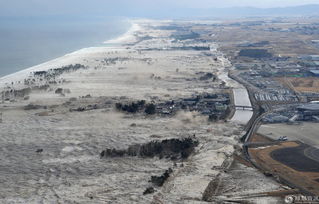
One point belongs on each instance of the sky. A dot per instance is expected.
(129, 7)
(235, 3)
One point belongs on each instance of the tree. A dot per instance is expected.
(150, 109)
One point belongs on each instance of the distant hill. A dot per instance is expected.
(160, 12)
(305, 10)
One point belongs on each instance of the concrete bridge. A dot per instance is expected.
(244, 108)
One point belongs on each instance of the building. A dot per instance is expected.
(314, 72)
(311, 109)
(310, 57)
(314, 57)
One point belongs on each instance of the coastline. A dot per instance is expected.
(63, 60)
(126, 37)
(64, 127)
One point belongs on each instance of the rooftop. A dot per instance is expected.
(316, 72)
(310, 107)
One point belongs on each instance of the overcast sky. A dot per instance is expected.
(232, 3)
(121, 7)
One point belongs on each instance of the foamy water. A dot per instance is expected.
(127, 37)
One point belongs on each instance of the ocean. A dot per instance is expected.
(25, 42)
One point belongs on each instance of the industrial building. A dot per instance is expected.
(309, 111)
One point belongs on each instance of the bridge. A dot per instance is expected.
(244, 107)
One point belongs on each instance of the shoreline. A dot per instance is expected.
(239, 116)
(116, 41)
(127, 36)
(69, 117)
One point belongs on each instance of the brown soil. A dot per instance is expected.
(243, 161)
(260, 138)
(305, 181)
(309, 84)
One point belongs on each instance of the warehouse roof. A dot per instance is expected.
(310, 107)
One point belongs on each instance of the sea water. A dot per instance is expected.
(25, 42)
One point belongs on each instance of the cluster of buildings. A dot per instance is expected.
(266, 77)
(305, 30)
(309, 112)
(311, 62)
(295, 113)
(268, 89)
(217, 105)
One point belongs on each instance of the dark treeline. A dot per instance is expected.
(173, 149)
